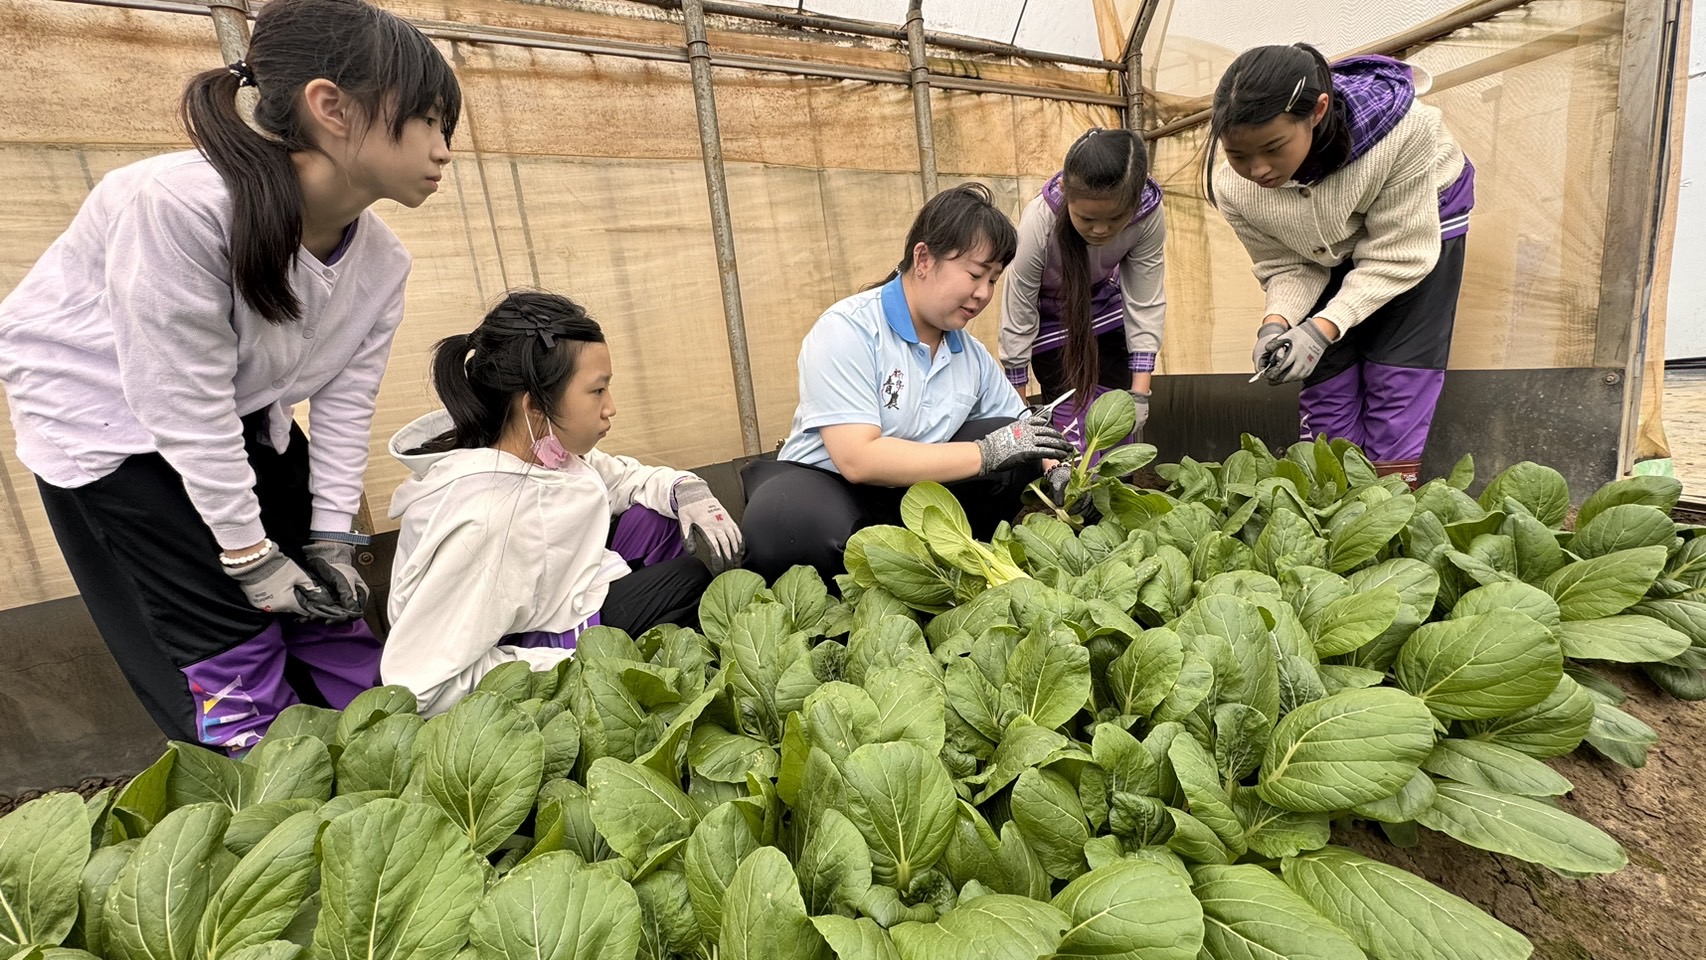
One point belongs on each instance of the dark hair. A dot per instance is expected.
(1265, 82)
(373, 56)
(528, 344)
(957, 221)
(1101, 165)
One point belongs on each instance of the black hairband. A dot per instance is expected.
(243, 72)
(539, 326)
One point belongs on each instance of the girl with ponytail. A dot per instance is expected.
(1085, 301)
(153, 354)
(1353, 201)
(508, 549)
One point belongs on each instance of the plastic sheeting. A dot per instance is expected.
(1052, 26)
(581, 174)
(573, 173)
(1532, 97)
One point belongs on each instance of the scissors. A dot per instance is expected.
(1046, 412)
(1271, 360)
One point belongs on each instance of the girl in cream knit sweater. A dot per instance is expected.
(1353, 201)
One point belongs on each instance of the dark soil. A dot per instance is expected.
(1651, 909)
(87, 788)
(1687, 512)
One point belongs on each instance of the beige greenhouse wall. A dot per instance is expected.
(574, 173)
(1539, 132)
(582, 175)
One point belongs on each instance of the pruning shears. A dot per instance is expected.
(1272, 359)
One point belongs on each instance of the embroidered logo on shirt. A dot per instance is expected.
(892, 386)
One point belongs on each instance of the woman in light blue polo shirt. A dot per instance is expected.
(893, 392)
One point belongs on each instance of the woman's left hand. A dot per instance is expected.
(711, 534)
(332, 564)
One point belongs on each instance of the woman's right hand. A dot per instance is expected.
(275, 584)
(1021, 442)
(1273, 325)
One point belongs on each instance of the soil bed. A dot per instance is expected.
(1652, 908)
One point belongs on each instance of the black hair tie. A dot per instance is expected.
(244, 73)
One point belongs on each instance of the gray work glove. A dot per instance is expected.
(1265, 336)
(1141, 398)
(332, 564)
(275, 584)
(1055, 482)
(1021, 442)
(1296, 352)
(711, 534)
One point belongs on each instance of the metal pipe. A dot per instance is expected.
(882, 31)
(231, 25)
(1134, 88)
(1134, 118)
(920, 81)
(541, 40)
(722, 226)
(1391, 46)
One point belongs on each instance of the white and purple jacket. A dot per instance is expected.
(1127, 272)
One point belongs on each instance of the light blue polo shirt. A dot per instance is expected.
(862, 363)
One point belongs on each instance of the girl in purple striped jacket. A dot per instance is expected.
(1353, 201)
(1085, 303)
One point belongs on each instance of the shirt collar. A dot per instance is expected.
(900, 318)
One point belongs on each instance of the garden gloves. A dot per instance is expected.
(711, 534)
(1020, 442)
(1294, 354)
(275, 584)
(332, 563)
(1141, 398)
(1265, 336)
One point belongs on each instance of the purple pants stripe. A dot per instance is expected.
(1383, 409)
(239, 692)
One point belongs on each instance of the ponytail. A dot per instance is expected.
(266, 196)
(527, 345)
(1265, 82)
(381, 63)
(471, 418)
(1101, 164)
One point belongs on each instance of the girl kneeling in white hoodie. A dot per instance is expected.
(517, 535)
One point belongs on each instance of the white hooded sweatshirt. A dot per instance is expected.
(492, 545)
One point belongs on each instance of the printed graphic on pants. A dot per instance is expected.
(221, 708)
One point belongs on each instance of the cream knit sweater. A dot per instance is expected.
(1381, 211)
